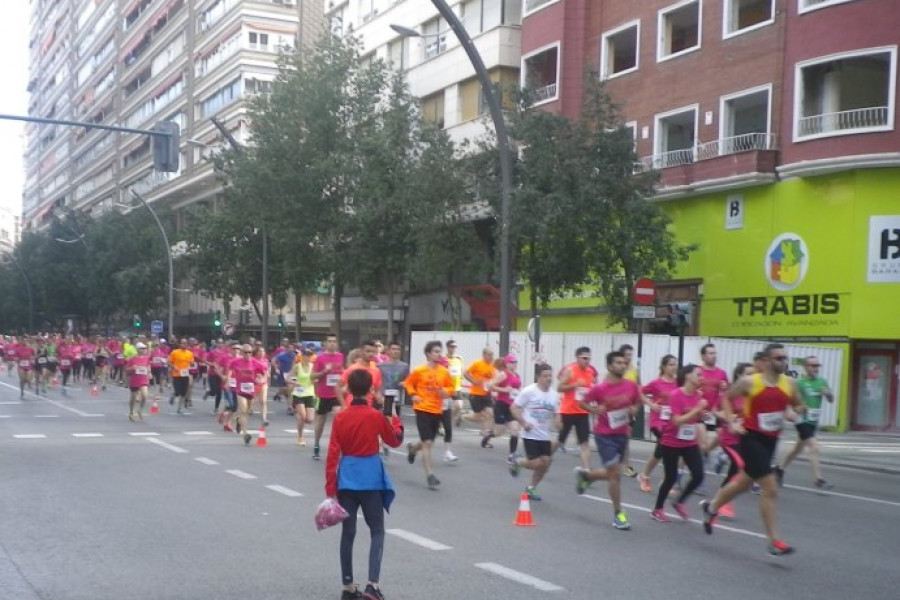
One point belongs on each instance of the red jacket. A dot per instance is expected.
(355, 432)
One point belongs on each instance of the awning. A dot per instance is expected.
(271, 27)
(165, 84)
(484, 300)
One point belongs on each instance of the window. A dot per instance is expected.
(619, 48)
(676, 135)
(221, 99)
(745, 121)
(433, 109)
(679, 29)
(483, 15)
(530, 6)
(808, 5)
(258, 41)
(338, 21)
(845, 93)
(257, 86)
(434, 37)
(540, 71)
(741, 16)
(395, 56)
(472, 101)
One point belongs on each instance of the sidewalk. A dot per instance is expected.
(876, 452)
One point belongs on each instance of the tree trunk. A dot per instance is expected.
(390, 307)
(338, 294)
(298, 315)
(534, 306)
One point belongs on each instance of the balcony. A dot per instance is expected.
(876, 117)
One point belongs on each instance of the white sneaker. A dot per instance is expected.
(450, 457)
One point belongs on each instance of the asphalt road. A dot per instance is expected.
(96, 507)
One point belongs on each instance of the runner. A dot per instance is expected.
(213, 375)
(658, 392)
(428, 386)
(535, 409)
(326, 375)
(679, 442)
(631, 374)
(180, 361)
(393, 373)
(52, 360)
(303, 397)
(248, 373)
(364, 358)
(88, 365)
(101, 363)
(40, 367)
(574, 382)
(9, 354)
(454, 364)
(730, 441)
(479, 374)
(230, 391)
(768, 394)
(507, 385)
(284, 362)
(614, 402)
(66, 362)
(25, 353)
(812, 389)
(713, 387)
(159, 358)
(262, 387)
(137, 369)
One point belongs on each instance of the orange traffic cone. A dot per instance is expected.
(95, 391)
(154, 408)
(261, 439)
(523, 517)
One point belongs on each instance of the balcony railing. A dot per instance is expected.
(545, 93)
(860, 118)
(730, 145)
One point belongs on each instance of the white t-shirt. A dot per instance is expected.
(539, 409)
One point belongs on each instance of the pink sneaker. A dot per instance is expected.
(660, 515)
(681, 510)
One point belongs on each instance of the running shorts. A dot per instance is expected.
(611, 448)
(806, 430)
(307, 401)
(757, 451)
(502, 413)
(536, 448)
(180, 385)
(428, 425)
(581, 425)
(326, 405)
(479, 403)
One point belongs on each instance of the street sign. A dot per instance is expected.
(156, 327)
(644, 292)
(228, 328)
(643, 312)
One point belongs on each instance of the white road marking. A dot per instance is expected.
(142, 433)
(53, 402)
(283, 490)
(29, 436)
(5, 416)
(87, 435)
(46, 416)
(240, 474)
(519, 577)
(842, 495)
(417, 539)
(197, 432)
(206, 461)
(881, 450)
(167, 445)
(718, 525)
(5, 403)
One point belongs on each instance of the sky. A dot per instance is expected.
(13, 100)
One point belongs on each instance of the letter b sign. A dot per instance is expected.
(734, 211)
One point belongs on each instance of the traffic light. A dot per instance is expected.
(166, 148)
(217, 320)
(137, 321)
(681, 314)
(280, 321)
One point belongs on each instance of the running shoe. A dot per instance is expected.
(514, 466)
(779, 548)
(458, 422)
(450, 457)
(660, 515)
(277, 398)
(227, 427)
(709, 517)
(410, 453)
(644, 482)
(532, 494)
(432, 482)
(721, 459)
(351, 595)
(131, 417)
(629, 471)
(779, 475)
(726, 511)
(621, 521)
(486, 440)
(301, 441)
(755, 489)
(315, 455)
(172, 400)
(824, 485)
(372, 593)
(681, 509)
(247, 438)
(581, 482)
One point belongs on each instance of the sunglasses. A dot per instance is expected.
(779, 358)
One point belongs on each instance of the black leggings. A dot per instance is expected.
(693, 460)
(447, 422)
(215, 389)
(736, 463)
(373, 511)
(65, 377)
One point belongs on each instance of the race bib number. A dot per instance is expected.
(773, 421)
(332, 380)
(665, 413)
(455, 370)
(580, 393)
(24, 363)
(89, 355)
(232, 382)
(65, 362)
(812, 414)
(618, 418)
(42, 361)
(301, 392)
(140, 371)
(392, 393)
(247, 388)
(687, 432)
(120, 356)
(183, 372)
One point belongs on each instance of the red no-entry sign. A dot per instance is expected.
(644, 292)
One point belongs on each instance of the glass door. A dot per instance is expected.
(875, 398)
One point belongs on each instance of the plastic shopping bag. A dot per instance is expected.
(329, 513)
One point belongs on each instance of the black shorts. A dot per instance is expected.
(326, 405)
(307, 401)
(180, 385)
(806, 430)
(757, 451)
(428, 425)
(582, 428)
(502, 413)
(137, 389)
(536, 448)
(479, 403)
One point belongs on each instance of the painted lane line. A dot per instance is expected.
(881, 450)
(87, 435)
(718, 526)
(819, 492)
(519, 577)
(53, 402)
(167, 445)
(5, 416)
(142, 433)
(197, 432)
(206, 461)
(46, 416)
(417, 539)
(240, 474)
(8, 402)
(30, 436)
(283, 490)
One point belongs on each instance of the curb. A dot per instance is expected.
(856, 466)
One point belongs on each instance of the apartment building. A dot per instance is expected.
(772, 124)
(9, 230)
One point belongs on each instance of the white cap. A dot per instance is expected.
(140, 346)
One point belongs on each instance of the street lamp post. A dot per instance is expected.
(165, 237)
(496, 111)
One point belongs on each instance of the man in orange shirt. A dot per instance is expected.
(365, 356)
(574, 382)
(180, 361)
(479, 374)
(428, 386)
